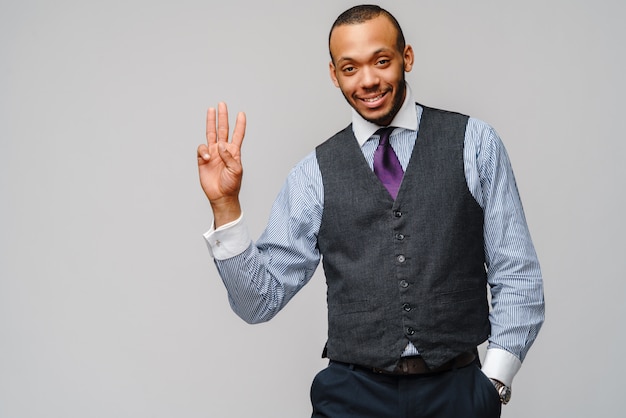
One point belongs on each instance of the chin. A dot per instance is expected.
(379, 118)
(383, 116)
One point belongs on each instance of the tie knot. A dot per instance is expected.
(384, 134)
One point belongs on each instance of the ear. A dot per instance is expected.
(409, 58)
(333, 75)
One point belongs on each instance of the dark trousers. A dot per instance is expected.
(344, 391)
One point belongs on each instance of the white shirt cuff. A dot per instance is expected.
(228, 240)
(501, 365)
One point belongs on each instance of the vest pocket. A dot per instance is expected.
(349, 307)
(460, 296)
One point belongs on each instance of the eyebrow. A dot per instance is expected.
(377, 52)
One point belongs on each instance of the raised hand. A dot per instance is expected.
(219, 164)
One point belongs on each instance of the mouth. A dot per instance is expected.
(373, 101)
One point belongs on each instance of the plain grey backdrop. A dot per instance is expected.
(109, 303)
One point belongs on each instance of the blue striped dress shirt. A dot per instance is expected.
(262, 277)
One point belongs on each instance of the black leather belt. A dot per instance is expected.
(416, 365)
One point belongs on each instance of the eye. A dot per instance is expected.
(348, 69)
(383, 61)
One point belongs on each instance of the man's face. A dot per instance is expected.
(369, 69)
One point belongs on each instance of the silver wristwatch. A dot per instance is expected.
(503, 390)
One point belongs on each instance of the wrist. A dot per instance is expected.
(225, 210)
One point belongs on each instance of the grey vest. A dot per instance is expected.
(410, 269)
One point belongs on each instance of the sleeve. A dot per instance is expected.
(228, 240)
(513, 271)
(262, 277)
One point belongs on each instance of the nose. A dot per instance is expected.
(369, 78)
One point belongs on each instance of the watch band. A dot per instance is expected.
(503, 391)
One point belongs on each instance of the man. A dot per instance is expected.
(405, 232)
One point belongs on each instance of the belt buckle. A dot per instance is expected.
(404, 366)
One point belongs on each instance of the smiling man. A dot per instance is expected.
(415, 214)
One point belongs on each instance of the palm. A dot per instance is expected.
(217, 179)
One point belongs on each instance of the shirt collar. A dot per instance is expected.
(406, 118)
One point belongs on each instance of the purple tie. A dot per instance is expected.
(386, 164)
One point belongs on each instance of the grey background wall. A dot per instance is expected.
(109, 303)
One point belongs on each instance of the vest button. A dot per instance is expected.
(401, 258)
(410, 331)
(406, 307)
(400, 237)
(397, 214)
(404, 284)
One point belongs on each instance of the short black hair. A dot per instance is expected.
(363, 13)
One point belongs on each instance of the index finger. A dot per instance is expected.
(211, 134)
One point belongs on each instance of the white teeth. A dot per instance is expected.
(373, 99)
